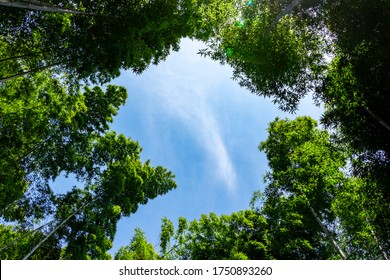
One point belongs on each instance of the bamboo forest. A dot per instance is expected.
(325, 194)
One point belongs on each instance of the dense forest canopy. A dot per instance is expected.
(326, 194)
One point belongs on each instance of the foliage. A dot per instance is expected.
(355, 91)
(139, 249)
(15, 243)
(47, 132)
(303, 160)
(117, 35)
(308, 178)
(293, 232)
(116, 189)
(305, 173)
(284, 63)
(363, 216)
(358, 120)
(241, 235)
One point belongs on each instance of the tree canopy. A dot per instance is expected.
(138, 249)
(241, 235)
(107, 37)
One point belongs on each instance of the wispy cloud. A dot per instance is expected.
(184, 89)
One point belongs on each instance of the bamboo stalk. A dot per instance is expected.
(379, 119)
(57, 227)
(287, 10)
(40, 6)
(326, 231)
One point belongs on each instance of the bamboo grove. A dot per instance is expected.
(327, 192)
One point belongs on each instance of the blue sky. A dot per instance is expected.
(192, 118)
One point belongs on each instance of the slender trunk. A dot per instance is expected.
(24, 236)
(40, 6)
(376, 117)
(57, 227)
(36, 148)
(21, 74)
(378, 243)
(327, 233)
(15, 57)
(287, 10)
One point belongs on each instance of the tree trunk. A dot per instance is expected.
(378, 243)
(374, 235)
(24, 236)
(376, 117)
(326, 231)
(40, 6)
(4, 79)
(15, 57)
(57, 227)
(287, 10)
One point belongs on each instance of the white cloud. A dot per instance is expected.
(183, 87)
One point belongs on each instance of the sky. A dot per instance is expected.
(190, 117)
